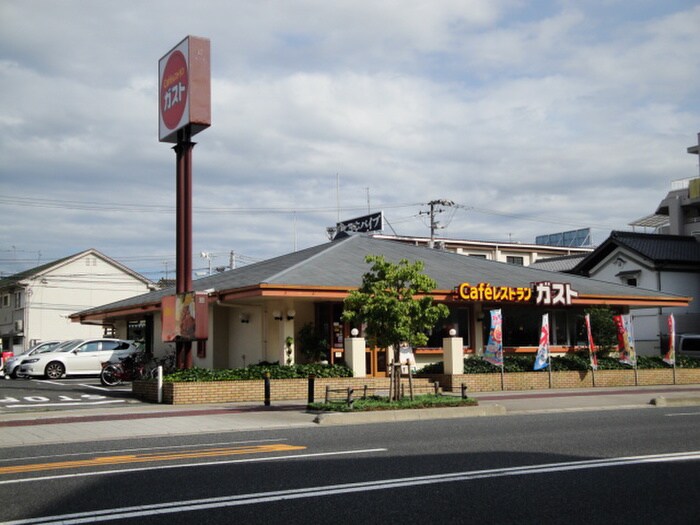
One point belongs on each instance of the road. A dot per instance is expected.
(26, 395)
(613, 466)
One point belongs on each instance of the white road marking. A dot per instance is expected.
(187, 465)
(346, 488)
(72, 403)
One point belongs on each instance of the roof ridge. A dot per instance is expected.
(329, 246)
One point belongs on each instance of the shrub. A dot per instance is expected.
(382, 403)
(579, 361)
(258, 372)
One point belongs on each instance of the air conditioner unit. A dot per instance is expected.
(19, 326)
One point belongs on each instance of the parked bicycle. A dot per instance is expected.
(134, 367)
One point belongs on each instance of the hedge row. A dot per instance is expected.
(525, 363)
(258, 372)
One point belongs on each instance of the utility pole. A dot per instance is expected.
(232, 260)
(434, 209)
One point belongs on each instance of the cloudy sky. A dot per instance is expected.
(532, 117)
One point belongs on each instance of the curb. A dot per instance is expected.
(662, 401)
(384, 416)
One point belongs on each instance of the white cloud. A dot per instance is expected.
(539, 117)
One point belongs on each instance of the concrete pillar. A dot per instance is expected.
(355, 355)
(453, 355)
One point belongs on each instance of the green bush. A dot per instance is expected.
(577, 361)
(258, 372)
(382, 403)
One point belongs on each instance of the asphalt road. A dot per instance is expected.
(27, 395)
(615, 466)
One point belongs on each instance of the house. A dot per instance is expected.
(521, 254)
(665, 263)
(35, 304)
(253, 310)
(679, 212)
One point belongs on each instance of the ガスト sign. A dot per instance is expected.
(545, 293)
(184, 89)
(173, 90)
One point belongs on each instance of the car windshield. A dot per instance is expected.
(41, 347)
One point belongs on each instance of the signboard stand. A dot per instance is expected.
(184, 83)
(183, 276)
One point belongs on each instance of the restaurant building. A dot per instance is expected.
(255, 313)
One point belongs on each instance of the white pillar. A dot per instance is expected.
(453, 355)
(355, 355)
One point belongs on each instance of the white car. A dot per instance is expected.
(12, 363)
(82, 357)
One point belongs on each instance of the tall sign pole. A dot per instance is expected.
(184, 81)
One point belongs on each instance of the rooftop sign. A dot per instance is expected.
(367, 223)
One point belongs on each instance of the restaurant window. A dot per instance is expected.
(457, 319)
(522, 326)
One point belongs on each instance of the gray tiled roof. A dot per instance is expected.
(559, 264)
(341, 264)
(680, 251)
(661, 248)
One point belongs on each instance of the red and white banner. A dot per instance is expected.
(591, 346)
(542, 358)
(625, 339)
(670, 357)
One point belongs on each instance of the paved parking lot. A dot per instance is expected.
(25, 395)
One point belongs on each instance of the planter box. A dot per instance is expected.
(573, 379)
(254, 391)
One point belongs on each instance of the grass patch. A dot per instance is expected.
(382, 403)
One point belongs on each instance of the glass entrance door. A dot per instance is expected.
(375, 362)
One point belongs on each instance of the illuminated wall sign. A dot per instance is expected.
(486, 292)
(545, 293)
(554, 293)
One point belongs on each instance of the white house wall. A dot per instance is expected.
(86, 282)
(650, 323)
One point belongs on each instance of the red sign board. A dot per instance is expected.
(185, 317)
(184, 92)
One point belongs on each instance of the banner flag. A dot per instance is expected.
(591, 346)
(670, 357)
(625, 340)
(542, 359)
(493, 353)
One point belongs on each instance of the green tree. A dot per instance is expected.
(603, 328)
(394, 304)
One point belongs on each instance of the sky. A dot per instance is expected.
(531, 117)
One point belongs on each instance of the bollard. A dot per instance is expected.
(160, 384)
(436, 384)
(267, 389)
(464, 391)
(312, 385)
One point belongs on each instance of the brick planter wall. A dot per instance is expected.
(297, 389)
(540, 380)
(254, 391)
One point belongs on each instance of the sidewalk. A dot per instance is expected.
(137, 420)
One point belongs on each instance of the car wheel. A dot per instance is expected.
(54, 370)
(13, 375)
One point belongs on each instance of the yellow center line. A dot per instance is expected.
(144, 458)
